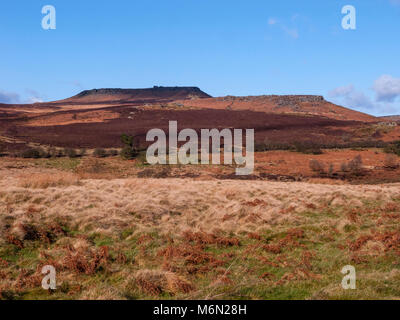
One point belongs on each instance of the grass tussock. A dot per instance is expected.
(143, 239)
(47, 180)
(155, 282)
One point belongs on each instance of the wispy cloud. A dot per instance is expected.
(9, 97)
(291, 31)
(33, 96)
(29, 96)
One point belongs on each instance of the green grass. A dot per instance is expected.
(67, 164)
(307, 267)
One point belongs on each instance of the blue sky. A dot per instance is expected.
(224, 47)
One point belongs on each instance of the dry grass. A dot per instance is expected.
(184, 238)
(47, 180)
(155, 282)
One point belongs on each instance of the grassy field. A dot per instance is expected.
(146, 238)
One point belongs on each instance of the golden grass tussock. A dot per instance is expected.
(47, 180)
(156, 282)
(184, 238)
(176, 205)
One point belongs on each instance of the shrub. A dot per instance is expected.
(331, 171)
(343, 167)
(393, 147)
(60, 153)
(307, 147)
(317, 166)
(71, 153)
(390, 162)
(82, 152)
(113, 152)
(55, 153)
(2, 148)
(127, 140)
(34, 153)
(128, 153)
(100, 153)
(52, 151)
(355, 165)
(260, 147)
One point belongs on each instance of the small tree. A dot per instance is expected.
(343, 167)
(317, 166)
(129, 151)
(127, 140)
(355, 165)
(331, 170)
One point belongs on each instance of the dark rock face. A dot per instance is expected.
(156, 91)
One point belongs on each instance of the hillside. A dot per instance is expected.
(395, 118)
(286, 104)
(97, 118)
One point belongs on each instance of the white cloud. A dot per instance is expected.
(387, 88)
(272, 21)
(352, 97)
(9, 97)
(29, 96)
(33, 96)
(341, 91)
(395, 2)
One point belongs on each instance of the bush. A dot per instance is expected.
(82, 152)
(100, 153)
(355, 166)
(393, 147)
(34, 153)
(128, 153)
(390, 162)
(260, 147)
(317, 166)
(113, 152)
(307, 147)
(71, 153)
(127, 140)
(331, 171)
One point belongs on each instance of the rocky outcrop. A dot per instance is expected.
(155, 92)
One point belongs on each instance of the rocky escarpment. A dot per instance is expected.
(279, 99)
(148, 93)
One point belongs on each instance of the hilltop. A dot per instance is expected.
(283, 104)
